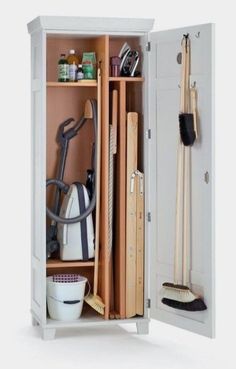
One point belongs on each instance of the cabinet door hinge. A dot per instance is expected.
(148, 133)
(148, 303)
(148, 46)
(149, 217)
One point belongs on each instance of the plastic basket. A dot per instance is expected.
(65, 296)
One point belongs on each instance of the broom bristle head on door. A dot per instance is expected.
(196, 305)
(181, 297)
(177, 292)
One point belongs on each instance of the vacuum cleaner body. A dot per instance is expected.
(71, 231)
(76, 240)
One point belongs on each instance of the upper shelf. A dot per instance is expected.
(126, 79)
(51, 263)
(84, 83)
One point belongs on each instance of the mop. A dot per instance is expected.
(178, 294)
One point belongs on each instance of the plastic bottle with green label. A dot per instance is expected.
(63, 69)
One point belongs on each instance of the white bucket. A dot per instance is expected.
(65, 299)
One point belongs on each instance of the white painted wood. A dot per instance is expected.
(156, 163)
(146, 158)
(48, 334)
(88, 321)
(88, 24)
(38, 163)
(164, 99)
(142, 327)
(34, 322)
(38, 88)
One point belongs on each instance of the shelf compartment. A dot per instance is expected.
(55, 263)
(85, 83)
(126, 79)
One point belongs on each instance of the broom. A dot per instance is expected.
(178, 295)
(93, 299)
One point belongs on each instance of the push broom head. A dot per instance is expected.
(181, 297)
(96, 303)
(186, 127)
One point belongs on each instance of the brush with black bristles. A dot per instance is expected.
(178, 295)
(186, 127)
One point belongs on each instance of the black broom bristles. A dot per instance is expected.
(186, 127)
(195, 305)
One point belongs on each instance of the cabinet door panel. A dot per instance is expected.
(163, 111)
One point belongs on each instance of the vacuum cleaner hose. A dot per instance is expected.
(65, 188)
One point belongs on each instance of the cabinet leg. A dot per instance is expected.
(142, 327)
(34, 322)
(48, 334)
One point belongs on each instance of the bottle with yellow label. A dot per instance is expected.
(73, 61)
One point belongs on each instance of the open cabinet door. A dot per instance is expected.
(164, 100)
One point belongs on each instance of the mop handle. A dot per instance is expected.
(98, 185)
(184, 88)
(186, 197)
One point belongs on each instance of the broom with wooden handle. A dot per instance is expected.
(93, 299)
(112, 152)
(178, 294)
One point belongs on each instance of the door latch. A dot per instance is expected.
(206, 177)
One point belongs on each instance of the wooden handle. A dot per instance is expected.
(88, 111)
(114, 119)
(98, 179)
(184, 87)
(186, 215)
(178, 214)
(179, 221)
(193, 98)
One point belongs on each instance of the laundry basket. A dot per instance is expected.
(65, 296)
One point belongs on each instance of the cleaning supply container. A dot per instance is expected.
(65, 296)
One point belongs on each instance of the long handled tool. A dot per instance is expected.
(112, 152)
(178, 294)
(94, 300)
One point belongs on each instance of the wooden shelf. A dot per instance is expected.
(52, 263)
(126, 79)
(85, 83)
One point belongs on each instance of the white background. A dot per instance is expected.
(165, 347)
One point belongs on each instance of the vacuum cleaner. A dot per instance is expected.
(71, 230)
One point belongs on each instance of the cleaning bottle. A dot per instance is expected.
(63, 69)
(73, 61)
(80, 73)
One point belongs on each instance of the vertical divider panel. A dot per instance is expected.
(101, 47)
(120, 209)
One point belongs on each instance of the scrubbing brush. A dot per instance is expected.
(186, 127)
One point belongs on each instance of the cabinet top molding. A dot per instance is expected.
(54, 24)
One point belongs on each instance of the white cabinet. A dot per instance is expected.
(156, 98)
